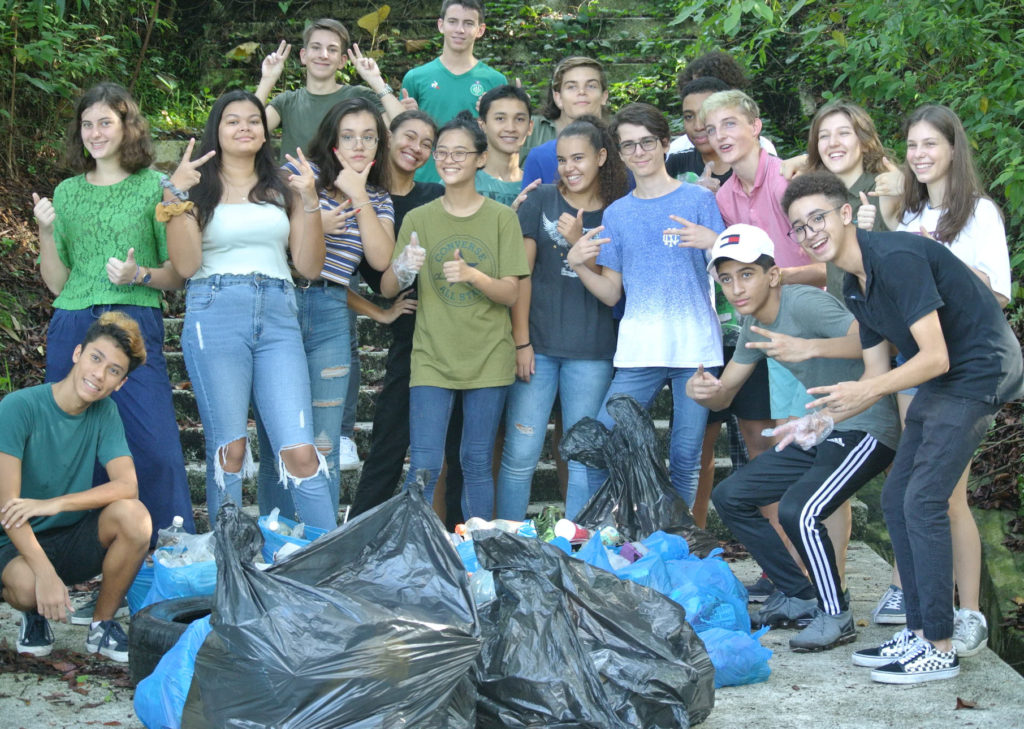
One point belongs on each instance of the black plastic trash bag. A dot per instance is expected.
(568, 645)
(372, 625)
(637, 498)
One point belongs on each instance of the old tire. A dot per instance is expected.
(155, 629)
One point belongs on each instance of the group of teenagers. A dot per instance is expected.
(851, 304)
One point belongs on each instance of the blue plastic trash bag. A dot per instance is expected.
(595, 553)
(648, 571)
(140, 588)
(160, 696)
(739, 657)
(188, 580)
(272, 541)
(668, 546)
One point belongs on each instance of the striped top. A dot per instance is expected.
(345, 249)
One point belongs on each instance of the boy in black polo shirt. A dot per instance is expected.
(960, 352)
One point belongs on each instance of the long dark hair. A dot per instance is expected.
(963, 187)
(611, 177)
(270, 186)
(321, 149)
(136, 151)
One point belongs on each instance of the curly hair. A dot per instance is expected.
(611, 177)
(123, 331)
(136, 151)
(716, 64)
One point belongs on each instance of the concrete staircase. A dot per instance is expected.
(374, 340)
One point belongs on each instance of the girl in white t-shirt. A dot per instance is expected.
(943, 199)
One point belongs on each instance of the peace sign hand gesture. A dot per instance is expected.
(187, 175)
(303, 181)
(273, 64)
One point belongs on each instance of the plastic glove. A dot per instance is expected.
(409, 262)
(806, 432)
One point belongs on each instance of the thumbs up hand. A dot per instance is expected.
(409, 262)
(123, 272)
(457, 270)
(866, 213)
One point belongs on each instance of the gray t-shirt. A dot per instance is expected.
(566, 320)
(301, 113)
(810, 313)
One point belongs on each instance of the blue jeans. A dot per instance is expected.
(323, 320)
(145, 406)
(580, 385)
(241, 339)
(688, 422)
(429, 411)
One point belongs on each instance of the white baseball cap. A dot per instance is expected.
(741, 242)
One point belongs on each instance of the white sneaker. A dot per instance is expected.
(970, 632)
(348, 456)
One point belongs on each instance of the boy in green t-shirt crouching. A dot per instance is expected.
(58, 528)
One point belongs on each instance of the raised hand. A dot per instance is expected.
(703, 385)
(866, 213)
(569, 227)
(587, 247)
(187, 175)
(521, 197)
(336, 220)
(44, 213)
(888, 183)
(781, 346)
(273, 64)
(408, 103)
(122, 272)
(303, 181)
(706, 180)
(457, 270)
(365, 66)
(692, 235)
(409, 262)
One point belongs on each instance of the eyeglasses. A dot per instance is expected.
(647, 144)
(348, 141)
(457, 155)
(814, 224)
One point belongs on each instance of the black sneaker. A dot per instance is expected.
(35, 636)
(108, 639)
(924, 663)
(760, 590)
(896, 647)
(83, 615)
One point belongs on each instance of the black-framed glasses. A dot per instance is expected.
(814, 224)
(348, 141)
(457, 155)
(647, 144)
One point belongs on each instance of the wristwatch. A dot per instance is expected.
(387, 90)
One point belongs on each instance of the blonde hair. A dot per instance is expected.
(733, 98)
(123, 331)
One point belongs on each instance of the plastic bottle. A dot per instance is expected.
(276, 526)
(171, 536)
(299, 530)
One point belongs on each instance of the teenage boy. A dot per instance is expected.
(815, 338)
(579, 87)
(669, 327)
(58, 528)
(325, 50)
(505, 118)
(909, 292)
(456, 79)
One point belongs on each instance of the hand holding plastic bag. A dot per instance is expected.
(409, 262)
(806, 432)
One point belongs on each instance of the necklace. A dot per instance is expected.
(237, 193)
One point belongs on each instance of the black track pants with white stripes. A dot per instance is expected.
(809, 486)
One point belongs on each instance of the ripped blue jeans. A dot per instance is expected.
(241, 339)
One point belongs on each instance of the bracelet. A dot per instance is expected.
(312, 210)
(165, 182)
(524, 346)
(135, 278)
(385, 91)
(167, 210)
